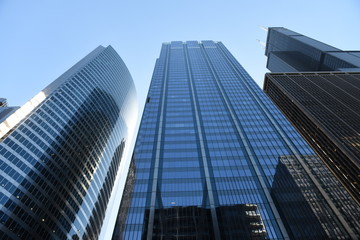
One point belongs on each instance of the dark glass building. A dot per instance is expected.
(288, 51)
(61, 151)
(324, 106)
(215, 159)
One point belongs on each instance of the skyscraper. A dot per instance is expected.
(323, 106)
(215, 159)
(61, 151)
(288, 51)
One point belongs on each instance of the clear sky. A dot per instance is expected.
(42, 39)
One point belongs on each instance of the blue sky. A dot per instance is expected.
(42, 39)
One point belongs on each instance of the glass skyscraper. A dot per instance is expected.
(324, 107)
(61, 151)
(317, 87)
(215, 159)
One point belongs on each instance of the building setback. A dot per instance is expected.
(61, 151)
(215, 159)
(323, 106)
(288, 51)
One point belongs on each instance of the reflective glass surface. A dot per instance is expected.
(59, 163)
(323, 107)
(215, 159)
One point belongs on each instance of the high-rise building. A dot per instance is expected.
(323, 106)
(215, 159)
(61, 151)
(288, 51)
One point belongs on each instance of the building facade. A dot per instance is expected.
(323, 106)
(215, 159)
(61, 151)
(288, 51)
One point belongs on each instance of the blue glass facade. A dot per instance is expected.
(214, 159)
(60, 152)
(288, 51)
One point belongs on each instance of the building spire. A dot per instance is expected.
(264, 28)
(263, 45)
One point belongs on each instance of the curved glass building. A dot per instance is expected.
(61, 151)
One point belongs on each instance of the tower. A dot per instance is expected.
(215, 159)
(61, 151)
(321, 98)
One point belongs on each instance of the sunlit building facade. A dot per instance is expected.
(61, 151)
(215, 159)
